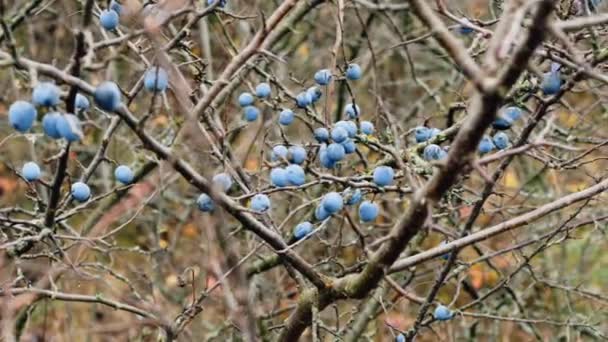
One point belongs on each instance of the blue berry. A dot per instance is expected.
(156, 79)
(442, 313)
(82, 103)
(501, 140)
(323, 77)
(339, 134)
(251, 113)
(108, 20)
(335, 152)
(246, 99)
(107, 96)
(366, 127)
(260, 203)
(278, 177)
(222, 3)
(31, 171)
(352, 111)
(222, 181)
(433, 132)
(349, 146)
(513, 113)
(368, 211)
(383, 175)
(69, 127)
(302, 229)
(321, 134)
(349, 126)
(303, 99)
(205, 203)
(124, 174)
(502, 124)
(295, 175)
(326, 162)
(116, 7)
(46, 94)
(297, 154)
(286, 117)
(321, 214)
(353, 72)
(552, 81)
(315, 94)
(432, 152)
(80, 192)
(262, 90)
(353, 197)
(49, 125)
(21, 116)
(332, 202)
(485, 145)
(279, 152)
(422, 134)
(464, 28)
(400, 338)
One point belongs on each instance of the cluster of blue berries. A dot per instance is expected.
(432, 151)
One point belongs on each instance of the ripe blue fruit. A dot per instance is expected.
(107, 96)
(432, 152)
(21, 115)
(352, 111)
(332, 202)
(49, 125)
(279, 152)
(251, 113)
(552, 81)
(485, 145)
(353, 197)
(124, 174)
(108, 20)
(246, 99)
(320, 213)
(442, 313)
(69, 127)
(222, 181)
(353, 72)
(349, 146)
(433, 132)
(321, 134)
(30, 171)
(260, 203)
(303, 99)
(368, 211)
(82, 103)
(297, 154)
(501, 140)
(335, 152)
(502, 123)
(323, 77)
(80, 192)
(464, 28)
(116, 7)
(205, 203)
(383, 175)
(366, 127)
(302, 229)
(262, 90)
(400, 338)
(422, 134)
(156, 79)
(339, 134)
(315, 94)
(513, 113)
(46, 94)
(278, 177)
(286, 117)
(222, 3)
(295, 175)
(326, 162)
